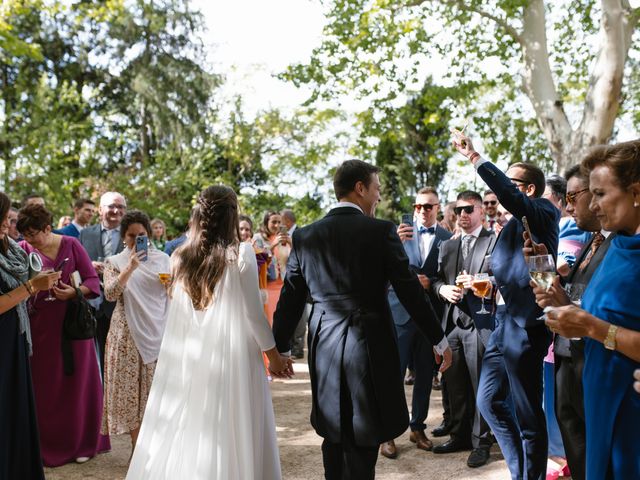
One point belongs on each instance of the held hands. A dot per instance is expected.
(62, 291)
(405, 232)
(280, 366)
(45, 281)
(444, 360)
(556, 296)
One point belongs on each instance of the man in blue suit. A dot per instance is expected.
(421, 243)
(83, 212)
(510, 390)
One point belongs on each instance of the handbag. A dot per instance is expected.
(79, 324)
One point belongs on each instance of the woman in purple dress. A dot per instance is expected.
(68, 407)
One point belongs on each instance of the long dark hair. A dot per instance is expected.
(5, 205)
(264, 227)
(201, 260)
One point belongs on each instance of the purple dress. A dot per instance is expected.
(69, 408)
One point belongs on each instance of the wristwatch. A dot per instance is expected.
(610, 339)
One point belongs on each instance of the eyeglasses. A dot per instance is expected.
(571, 197)
(426, 206)
(468, 209)
(31, 233)
(116, 207)
(490, 202)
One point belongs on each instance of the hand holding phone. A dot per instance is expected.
(142, 245)
(407, 219)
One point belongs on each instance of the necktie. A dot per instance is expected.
(598, 238)
(107, 244)
(491, 223)
(466, 246)
(431, 230)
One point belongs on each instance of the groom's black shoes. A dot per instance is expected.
(388, 449)
(452, 446)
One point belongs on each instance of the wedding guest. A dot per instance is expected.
(83, 212)
(137, 324)
(492, 213)
(63, 221)
(609, 318)
(246, 228)
(159, 237)
(33, 199)
(449, 217)
(510, 389)
(13, 234)
(274, 240)
(69, 406)
(19, 446)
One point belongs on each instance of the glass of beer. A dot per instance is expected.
(481, 288)
(165, 278)
(542, 269)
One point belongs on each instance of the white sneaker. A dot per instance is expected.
(82, 459)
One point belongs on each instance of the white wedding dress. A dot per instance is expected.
(209, 413)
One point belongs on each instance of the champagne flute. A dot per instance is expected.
(482, 286)
(542, 269)
(49, 297)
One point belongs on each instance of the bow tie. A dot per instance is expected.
(431, 230)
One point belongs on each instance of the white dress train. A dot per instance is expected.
(209, 413)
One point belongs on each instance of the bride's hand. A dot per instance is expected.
(279, 365)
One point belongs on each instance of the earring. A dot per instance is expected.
(636, 204)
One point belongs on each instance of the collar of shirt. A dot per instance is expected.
(77, 225)
(475, 233)
(103, 229)
(605, 233)
(347, 204)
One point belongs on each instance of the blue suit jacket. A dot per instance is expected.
(428, 268)
(70, 231)
(507, 261)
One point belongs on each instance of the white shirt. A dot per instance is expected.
(347, 204)
(425, 241)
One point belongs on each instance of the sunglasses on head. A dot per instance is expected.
(425, 206)
(490, 202)
(468, 209)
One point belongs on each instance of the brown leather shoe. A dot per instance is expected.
(388, 449)
(420, 439)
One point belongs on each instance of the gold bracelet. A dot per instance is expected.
(29, 287)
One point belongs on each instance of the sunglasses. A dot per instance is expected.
(570, 197)
(490, 202)
(468, 209)
(426, 206)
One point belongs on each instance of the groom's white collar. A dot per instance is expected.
(347, 204)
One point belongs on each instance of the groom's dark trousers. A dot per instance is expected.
(345, 262)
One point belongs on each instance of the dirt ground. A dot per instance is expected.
(300, 447)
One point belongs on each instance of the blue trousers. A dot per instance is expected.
(510, 395)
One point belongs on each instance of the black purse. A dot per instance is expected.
(79, 324)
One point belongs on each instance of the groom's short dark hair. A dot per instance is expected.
(349, 173)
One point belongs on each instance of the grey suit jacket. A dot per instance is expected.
(91, 240)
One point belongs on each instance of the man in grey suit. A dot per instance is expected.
(421, 243)
(101, 241)
(467, 331)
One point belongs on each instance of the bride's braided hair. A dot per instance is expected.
(212, 241)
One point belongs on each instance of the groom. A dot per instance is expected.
(345, 262)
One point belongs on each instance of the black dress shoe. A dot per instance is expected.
(451, 446)
(441, 431)
(478, 457)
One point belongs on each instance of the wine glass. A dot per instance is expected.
(481, 288)
(165, 278)
(542, 269)
(49, 297)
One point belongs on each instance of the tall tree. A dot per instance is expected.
(570, 54)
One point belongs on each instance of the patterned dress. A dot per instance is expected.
(127, 380)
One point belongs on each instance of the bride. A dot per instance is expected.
(209, 413)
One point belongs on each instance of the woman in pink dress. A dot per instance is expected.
(68, 407)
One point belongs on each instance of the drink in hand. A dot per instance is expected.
(481, 287)
(544, 279)
(165, 278)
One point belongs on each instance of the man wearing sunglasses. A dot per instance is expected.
(467, 331)
(510, 389)
(422, 245)
(490, 205)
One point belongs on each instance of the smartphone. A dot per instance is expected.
(282, 229)
(525, 224)
(407, 219)
(61, 265)
(142, 245)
